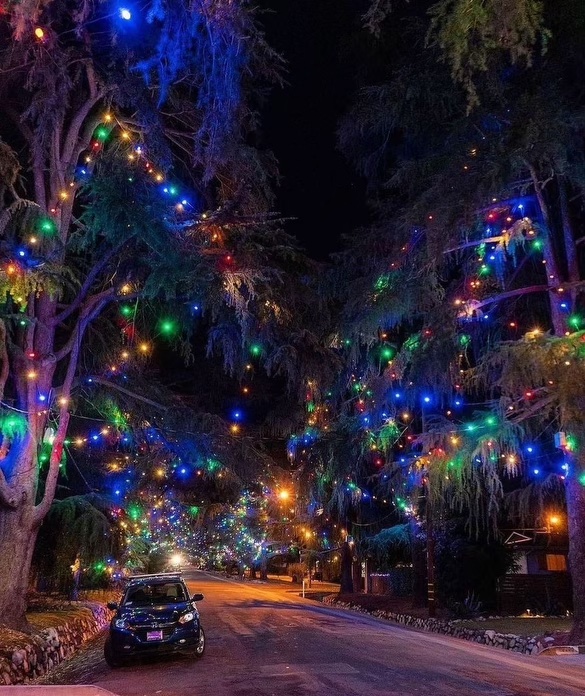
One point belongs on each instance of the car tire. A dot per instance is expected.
(109, 656)
(200, 648)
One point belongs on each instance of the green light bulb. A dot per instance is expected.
(101, 133)
(47, 226)
(167, 327)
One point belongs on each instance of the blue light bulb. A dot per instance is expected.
(125, 14)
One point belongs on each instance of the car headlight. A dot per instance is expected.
(121, 623)
(189, 616)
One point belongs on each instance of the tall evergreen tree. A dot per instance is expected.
(105, 111)
(477, 190)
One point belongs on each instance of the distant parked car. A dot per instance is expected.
(156, 615)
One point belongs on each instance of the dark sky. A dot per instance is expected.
(318, 186)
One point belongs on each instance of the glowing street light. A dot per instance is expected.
(176, 560)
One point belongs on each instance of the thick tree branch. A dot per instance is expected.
(8, 497)
(86, 287)
(53, 474)
(92, 307)
(37, 160)
(535, 408)
(5, 369)
(72, 136)
(89, 312)
(123, 390)
(477, 242)
(526, 291)
(511, 293)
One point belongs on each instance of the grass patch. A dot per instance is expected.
(55, 618)
(521, 626)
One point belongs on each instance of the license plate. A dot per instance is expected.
(154, 635)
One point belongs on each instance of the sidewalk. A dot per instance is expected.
(315, 586)
(23, 690)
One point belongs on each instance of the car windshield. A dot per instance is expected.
(156, 593)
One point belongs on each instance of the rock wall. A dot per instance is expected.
(24, 657)
(507, 641)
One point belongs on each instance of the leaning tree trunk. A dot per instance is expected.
(575, 492)
(24, 502)
(18, 533)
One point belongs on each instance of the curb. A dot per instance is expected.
(22, 690)
(525, 645)
(563, 650)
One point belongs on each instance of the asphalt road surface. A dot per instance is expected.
(265, 640)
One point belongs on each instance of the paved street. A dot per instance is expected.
(264, 640)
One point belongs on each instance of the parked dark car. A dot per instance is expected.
(156, 615)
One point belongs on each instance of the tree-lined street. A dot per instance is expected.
(293, 288)
(264, 640)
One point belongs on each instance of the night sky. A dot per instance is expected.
(318, 187)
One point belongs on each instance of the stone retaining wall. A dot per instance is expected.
(507, 641)
(24, 657)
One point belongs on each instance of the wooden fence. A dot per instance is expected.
(540, 593)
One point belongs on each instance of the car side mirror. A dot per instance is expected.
(112, 605)
(197, 597)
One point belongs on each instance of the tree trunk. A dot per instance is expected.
(346, 586)
(430, 557)
(553, 270)
(17, 539)
(263, 566)
(568, 237)
(419, 566)
(575, 492)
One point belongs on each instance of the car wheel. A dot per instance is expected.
(200, 649)
(109, 656)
